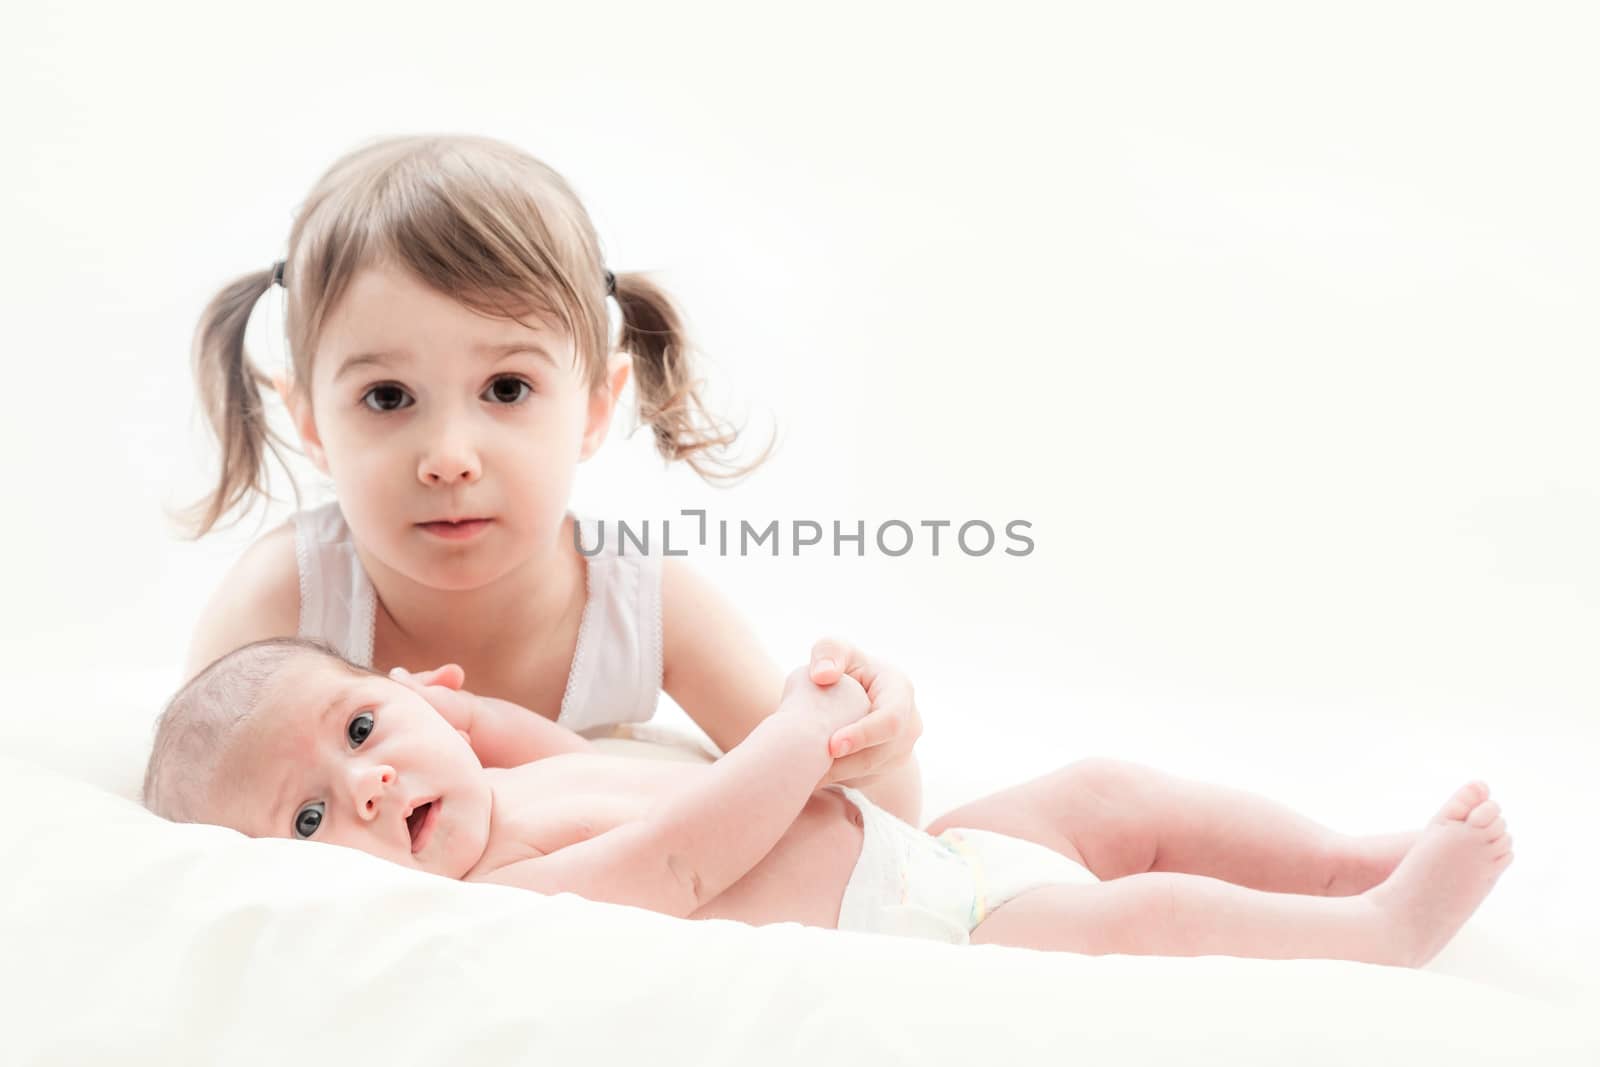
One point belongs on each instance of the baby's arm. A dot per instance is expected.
(707, 837)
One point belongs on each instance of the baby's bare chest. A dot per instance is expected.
(553, 803)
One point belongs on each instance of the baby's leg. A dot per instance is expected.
(1161, 914)
(1122, 818)
(1405, 921)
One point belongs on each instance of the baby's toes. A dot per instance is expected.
(1484, 814)
(1463, 801)
(1495, 830)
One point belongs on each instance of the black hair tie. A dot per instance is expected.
(611, 284)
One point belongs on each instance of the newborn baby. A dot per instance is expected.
(282, 738)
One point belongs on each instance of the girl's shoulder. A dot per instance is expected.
(258, 598)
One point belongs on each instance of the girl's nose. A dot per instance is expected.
(368, 786)
(448, 463)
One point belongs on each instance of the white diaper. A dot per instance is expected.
(911, 883)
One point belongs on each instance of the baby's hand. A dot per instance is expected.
(884, 739)
(441, 687)
(835, 706)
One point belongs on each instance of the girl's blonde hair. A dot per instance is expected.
(484, 223)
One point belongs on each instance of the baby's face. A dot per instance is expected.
(360, 761)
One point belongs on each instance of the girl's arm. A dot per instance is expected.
(714, 668)
(509, 735)
(703, 839)
(259, 598)
(502, 734)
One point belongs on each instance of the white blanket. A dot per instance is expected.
(131, 940)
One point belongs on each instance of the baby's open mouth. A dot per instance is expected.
(419, 822)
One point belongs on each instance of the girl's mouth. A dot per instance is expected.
(420, 823)
(457, 530)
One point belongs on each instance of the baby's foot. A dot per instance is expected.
(1446, 874)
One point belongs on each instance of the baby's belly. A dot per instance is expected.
(803, 878)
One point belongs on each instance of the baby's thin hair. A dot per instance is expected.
(197, 726)
(483, 223)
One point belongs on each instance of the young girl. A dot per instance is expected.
(451, 366)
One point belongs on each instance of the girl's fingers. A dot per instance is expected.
(861, 765)
(825, 671)
(831, 658)
(871, 732)
(451, 676)
(849, 768)
(406, 678)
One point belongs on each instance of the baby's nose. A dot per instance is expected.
(368, 788)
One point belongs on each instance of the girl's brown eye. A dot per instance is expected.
(386, 398)
(508, 390)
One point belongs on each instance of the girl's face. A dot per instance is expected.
(451, 437)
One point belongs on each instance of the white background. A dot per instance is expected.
(1279, 328)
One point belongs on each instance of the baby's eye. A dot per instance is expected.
(308, 818)
(387, 398)
(508, 391)
(360, 729)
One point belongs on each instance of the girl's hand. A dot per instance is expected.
(441, 687)
(891, 726)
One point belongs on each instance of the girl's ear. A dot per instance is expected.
(298, 402)
(603, 403)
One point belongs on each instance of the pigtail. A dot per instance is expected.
(669, 394)
(230, 394)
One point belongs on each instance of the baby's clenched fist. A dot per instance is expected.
(833, 707)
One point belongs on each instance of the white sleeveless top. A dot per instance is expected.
(616, 667)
